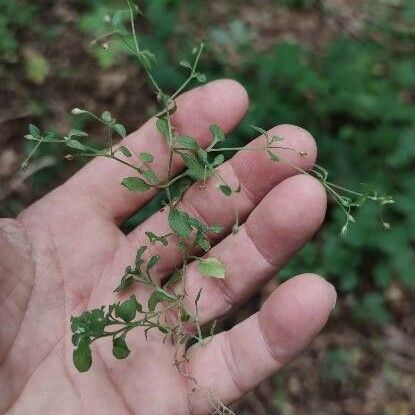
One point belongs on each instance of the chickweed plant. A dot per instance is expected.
(165, 310)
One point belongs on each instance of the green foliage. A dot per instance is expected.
(15, 16)
(339, 364)
(365, 130)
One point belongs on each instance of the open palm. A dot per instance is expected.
(66, 253)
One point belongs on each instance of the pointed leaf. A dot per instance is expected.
(76, 144)
(120, 130)
(157, 297)
(153, 261)
(135, 184)
(217, 133)
(34, 131)
(77, 133)
(175, 278)
(163, 127)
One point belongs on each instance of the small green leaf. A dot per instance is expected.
(128, 309)
(197, 170)
(125, 282)
(273, 156)
(157, 297)
(82, 356)
(153, 261)
(34, 131)
(135, 184)
(176, 277)
(187, 142)
(106, 117)
(124, 150)
(203, 243)
(163, 329)
(215, 228)
(217, 133)
(201, 227)
(225, 189)
(163, 127)
(117, 18)
(185, 316)
(146, 58)
(219, 159)
(211, 267)
(201, 77)
(146, 157)
(117, 22)
(186, 64)
(77, 133)
(78, 111)
(120, 349)
(179, 223)
(76, 144)
(138, 258)
(120, 130)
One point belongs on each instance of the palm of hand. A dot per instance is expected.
(65, 254)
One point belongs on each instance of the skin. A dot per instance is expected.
(65, 254)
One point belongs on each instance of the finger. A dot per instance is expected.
(256, 174)
(236, 361)
(281, 224)
(222, 102)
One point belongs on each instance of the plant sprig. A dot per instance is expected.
(190, 235)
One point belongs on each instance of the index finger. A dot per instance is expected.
(222, 102)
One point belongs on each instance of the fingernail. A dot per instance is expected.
(334, 295)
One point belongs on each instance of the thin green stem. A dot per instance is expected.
(175, 179)
(137, 47)
(192, 72)
(28, 158)
(113, 157)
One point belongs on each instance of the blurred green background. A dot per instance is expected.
(344, 70)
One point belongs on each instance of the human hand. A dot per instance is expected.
(65, 254)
